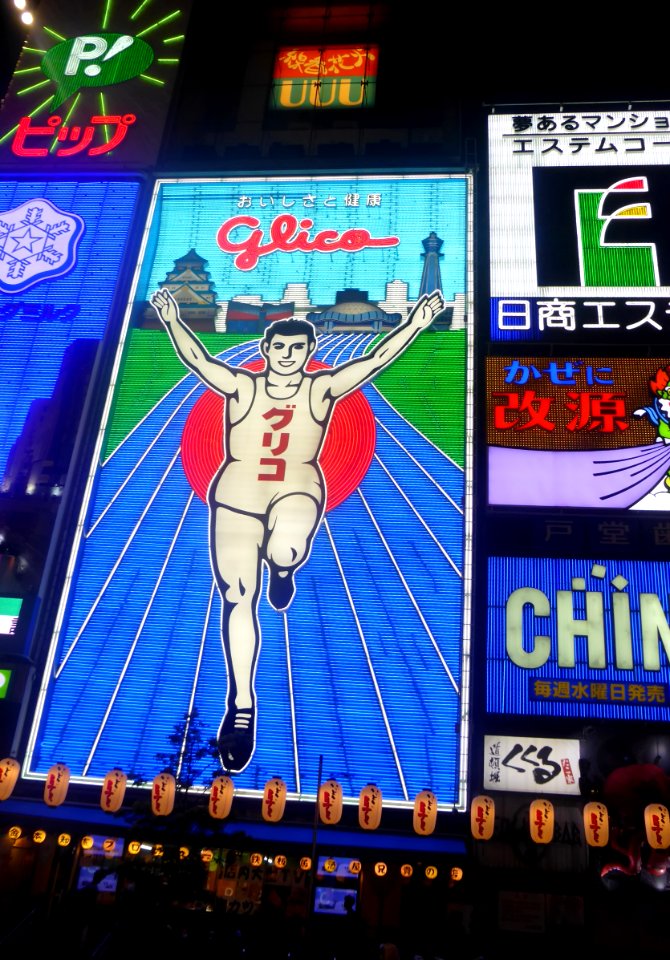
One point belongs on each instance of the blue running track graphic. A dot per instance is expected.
(364, 669)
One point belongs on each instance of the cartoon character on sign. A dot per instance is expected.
(659, 413)
(268, 496)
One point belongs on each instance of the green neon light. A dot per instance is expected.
(147, 349)
(105, 16)
(53, 33)
(10, 607)
(123, 67)
(33, 50)
(31, 114)
(167, 59)
(159, 83)
(139, 9)
(26, 70)
(67, 118)
(176, 39)
(103, 111)
(155, 26)
(10, 132)
(609, 264)
(35, 86)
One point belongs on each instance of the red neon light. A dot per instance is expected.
(308, 62)
(80, 138)
(287, 234)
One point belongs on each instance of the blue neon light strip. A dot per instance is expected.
(38, 324)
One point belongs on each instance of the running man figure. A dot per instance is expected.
(267, 498)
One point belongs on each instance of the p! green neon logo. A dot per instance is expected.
(95, 60)
(606, 264)
(124, 41)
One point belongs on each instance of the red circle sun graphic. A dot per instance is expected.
(345, 456)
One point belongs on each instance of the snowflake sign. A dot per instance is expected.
(37, 240)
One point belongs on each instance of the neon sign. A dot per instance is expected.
(93, 84)
(94, 61)
(389, 485)
(288, 234)
(62, 247)
(37, 240)
(328, 77)
(79, 138)
(579, 432)
(579, 638)
(578, 226)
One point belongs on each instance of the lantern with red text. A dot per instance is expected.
(370, 807)
(541, 821)
(330, 802)
(482, 817)
(162, 794)
(9, 775)
(596, 824)
(57, 782)
(657, 826)
(425, 813)
(113, 790)
(221, 797)
(274, 800)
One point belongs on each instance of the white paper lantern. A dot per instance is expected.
(370, 807)
(657, 826)
(274, 800)
(162, 794)
(596, 824)
(57, 782)
(482, 817)
(425, 813)
(9, 775)
(541, 821)
(113, 790)
(221, 797)
(330, 802)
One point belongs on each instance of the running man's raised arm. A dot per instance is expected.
(354, 373)
(214, 373)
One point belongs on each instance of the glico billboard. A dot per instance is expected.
(579, 638)
(579, 208)
(275, 537)
(579, 432)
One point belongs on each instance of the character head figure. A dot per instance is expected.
(287, 345)
(659, 386)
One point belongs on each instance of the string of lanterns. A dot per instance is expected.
(111, 847)
(164, 792)
(330, 803)
(595, 821)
